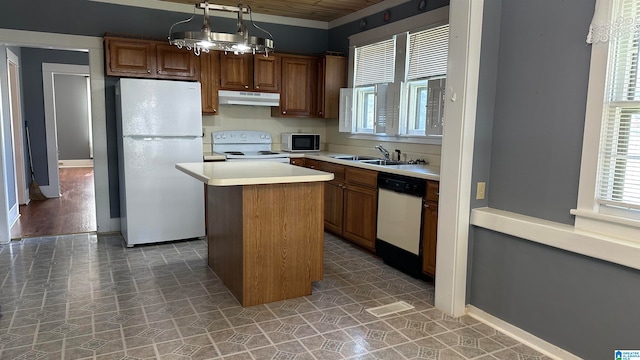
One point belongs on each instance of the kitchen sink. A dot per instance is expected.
(368, 160)
(382, 162)
(355, 157)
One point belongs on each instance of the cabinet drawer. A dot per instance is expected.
(337, 170)
(362, 177)
(433, 190)
(311, 164)
(296, 161)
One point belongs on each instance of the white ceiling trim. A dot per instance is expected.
(188, 9)
(373, 9)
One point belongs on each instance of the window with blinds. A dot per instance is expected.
(375, 63)
(428, 52)
(619, 156)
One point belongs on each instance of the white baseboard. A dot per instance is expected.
(75, 163)
(522, 336)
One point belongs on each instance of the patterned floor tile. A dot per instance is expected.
(90, 297)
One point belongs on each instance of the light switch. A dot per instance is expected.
(480, 190)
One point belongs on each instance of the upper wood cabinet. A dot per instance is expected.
(130, 57)
(332, 75)
(210, 81)
(266, 72)
(149, 59)
(172, 62)
(249, 72)
(235, 71)
(298, 87)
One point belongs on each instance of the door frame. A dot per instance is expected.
(48, 86)
(17, 128)
(95, 47)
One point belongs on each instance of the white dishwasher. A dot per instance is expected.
(399, 235)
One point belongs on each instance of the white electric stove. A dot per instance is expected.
(239, 145)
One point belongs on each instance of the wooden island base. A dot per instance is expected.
(266, 241)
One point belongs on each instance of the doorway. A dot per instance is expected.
(70, 207)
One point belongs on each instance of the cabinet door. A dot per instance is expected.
(297, 96)
(266, 73)
(429, 237)
(174, 63)
(297, 161)
(130, 57)
(235, 71)
(333, 206)
(210, 81)
(332, 76)
(360, 210)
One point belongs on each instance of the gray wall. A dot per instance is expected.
(584, 305)
(72, 116)
(33, 100)
(339, 36)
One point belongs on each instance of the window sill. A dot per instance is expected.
(561, 236)
(400, 139)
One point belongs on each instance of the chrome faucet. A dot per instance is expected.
(384, 151)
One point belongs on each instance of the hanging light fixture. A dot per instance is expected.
(205, 40)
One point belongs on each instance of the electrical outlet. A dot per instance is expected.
(480, 190)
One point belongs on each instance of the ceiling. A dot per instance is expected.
(321, 10)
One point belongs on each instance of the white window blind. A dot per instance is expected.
(428, 51)
(375, 63)
(619, 157)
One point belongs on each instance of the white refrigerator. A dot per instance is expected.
(159, 124)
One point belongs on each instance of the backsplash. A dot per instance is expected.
(239, 117)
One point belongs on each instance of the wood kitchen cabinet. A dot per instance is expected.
(332, 75)
(149, 59)
(210, 81)
(430, 228)
(297, 161)
(351, 203)
(298, 87)
(250, 72)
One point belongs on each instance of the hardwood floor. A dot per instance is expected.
(73, 212)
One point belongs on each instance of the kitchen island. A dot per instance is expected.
(265, 227)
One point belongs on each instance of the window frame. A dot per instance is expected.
(401, 30)
(590, 216)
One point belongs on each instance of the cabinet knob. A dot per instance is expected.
(246, 86)
(284, 112)
(257, 87)
(215, 110)
(148, 71)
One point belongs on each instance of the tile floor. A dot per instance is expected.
(90, 297)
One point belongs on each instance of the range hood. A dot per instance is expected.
(248, 98)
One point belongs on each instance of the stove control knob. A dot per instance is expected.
(217, 136)
(267, 137)
(243, 135)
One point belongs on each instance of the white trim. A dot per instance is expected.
(371, 10)
(48, 71)
(558, 235)
(522, 336)
(465, 37)
(14, 214)
(96, 63)
(75, 163)
(189, 9)
(17, 133)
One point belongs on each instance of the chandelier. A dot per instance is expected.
(205, 40)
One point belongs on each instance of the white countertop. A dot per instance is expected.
(231, 173)
(427, 172)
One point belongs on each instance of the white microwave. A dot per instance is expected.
(299, 142)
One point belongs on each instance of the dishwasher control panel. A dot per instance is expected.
(402, 184)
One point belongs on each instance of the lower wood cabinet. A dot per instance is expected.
(297, 161)
(430, 228)
(351, 203)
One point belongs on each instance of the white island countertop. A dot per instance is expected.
(231, 173)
